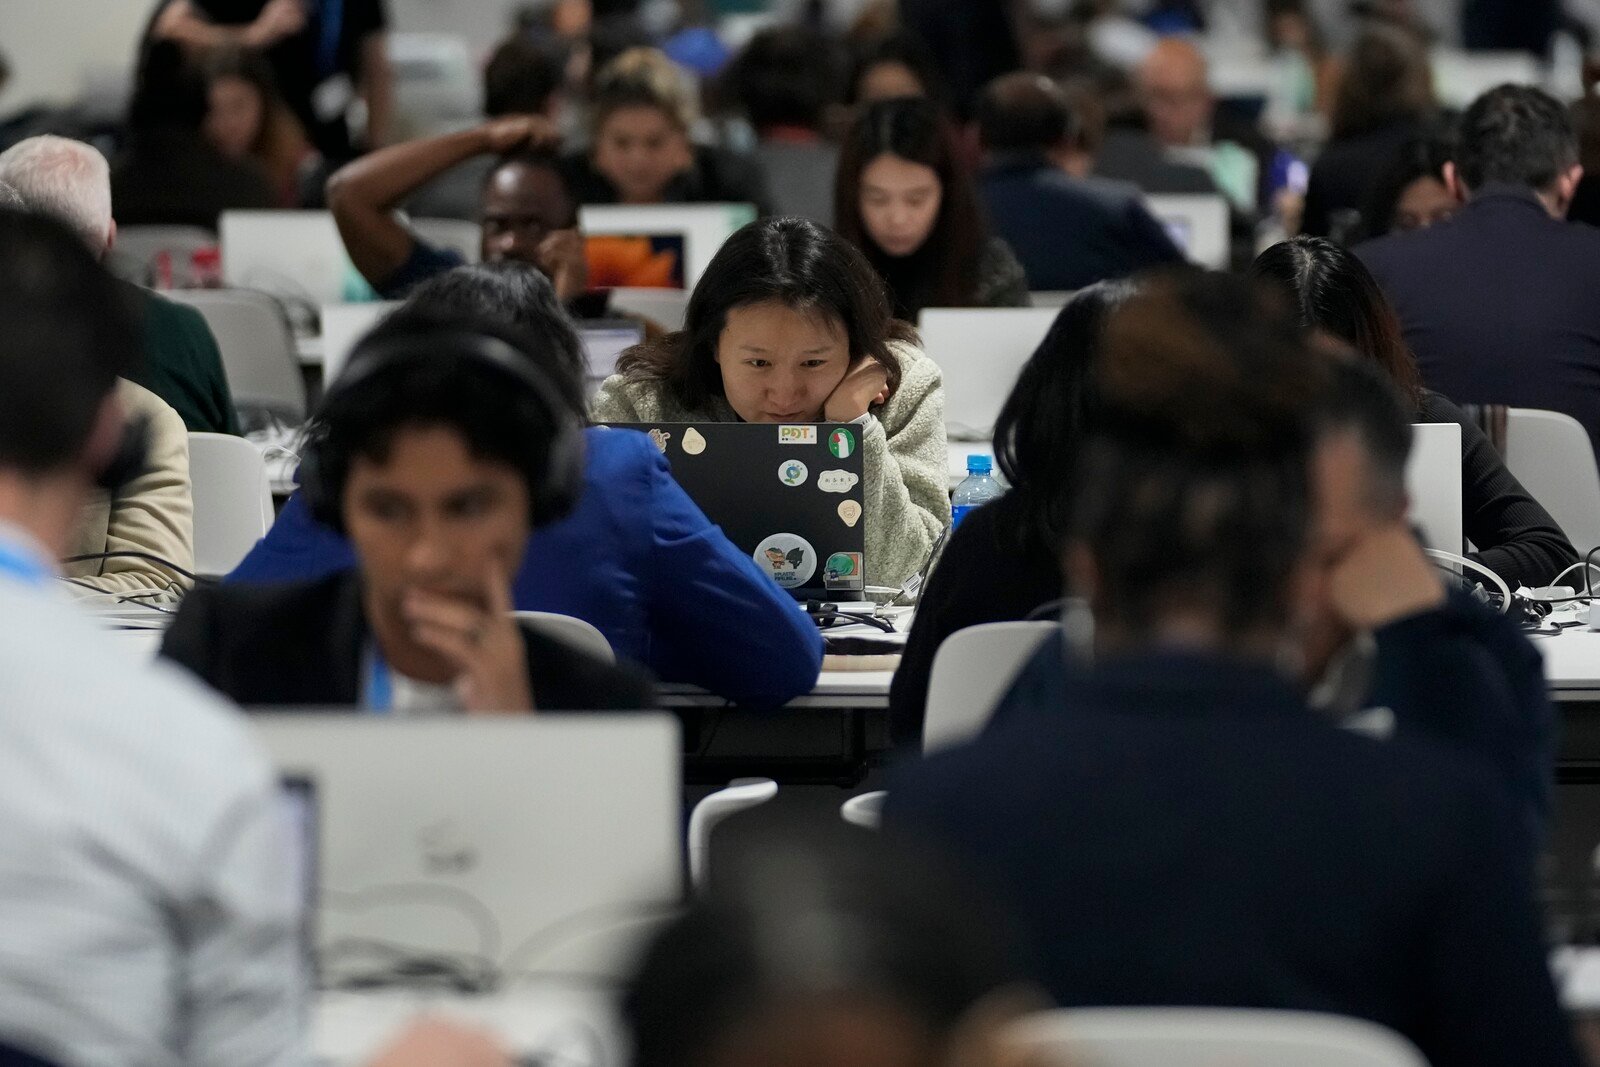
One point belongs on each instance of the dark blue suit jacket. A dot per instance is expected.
(1499, 304)
(1069, 232)
(638, 560)
(1179, 829)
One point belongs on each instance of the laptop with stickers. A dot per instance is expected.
(790, 496)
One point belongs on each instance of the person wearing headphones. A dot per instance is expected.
(436, 453)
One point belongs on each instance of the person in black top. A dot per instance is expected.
(1385, 99)
(444, 442)
(323, 53)
(1514, 536)
(1003, 561)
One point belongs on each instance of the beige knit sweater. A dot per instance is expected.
(903, 455)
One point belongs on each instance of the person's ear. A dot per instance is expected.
(111, 239)
(1567, 188)
(1453, 183)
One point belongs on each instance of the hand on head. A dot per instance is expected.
(864, 386)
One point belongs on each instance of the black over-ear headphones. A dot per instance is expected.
(553, 491)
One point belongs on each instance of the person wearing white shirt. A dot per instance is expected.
(149, 917)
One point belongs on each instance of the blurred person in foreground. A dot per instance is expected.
(1193, 832)
(151, 919)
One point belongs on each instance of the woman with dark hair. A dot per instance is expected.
(790, 324)
(247, 119)
(1004, 561)
(894, 67)
(905, 200)
(1336, 295)
(1411, 194)
(1385, 99)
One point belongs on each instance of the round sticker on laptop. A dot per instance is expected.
(841, 443)
(792, 472)
(694, 442)
(789, 558)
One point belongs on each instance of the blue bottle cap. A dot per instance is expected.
(979, 464)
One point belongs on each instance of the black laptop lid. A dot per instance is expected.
(790, 496)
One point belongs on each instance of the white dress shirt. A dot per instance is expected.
(147, 911)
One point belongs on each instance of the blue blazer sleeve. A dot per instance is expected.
(296, 548)
(715, 620)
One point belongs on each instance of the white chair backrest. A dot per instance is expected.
(343, 325)
(1459, 77)
(980, 352)
(1198, 223)
(1206, 1037)
(971, 672)
(132, 256)
(664, 307)
(1433, 481)
(1552, 456)
(232, 500)
(570, 630)
(459, 235)
(258, 351)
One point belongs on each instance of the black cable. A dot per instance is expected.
(130, 554)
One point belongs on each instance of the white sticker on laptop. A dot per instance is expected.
(694, 442)
(792, 472)
(789, 558)
(837, 481)
(797, 435)
(850, 512)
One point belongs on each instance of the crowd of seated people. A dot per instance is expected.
(1270, 755)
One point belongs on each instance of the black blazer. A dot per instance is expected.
(1174, 829)
(1499, 304)
(302, 643)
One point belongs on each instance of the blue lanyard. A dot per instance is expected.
(23, 565)
(378, 697)
(331, 16)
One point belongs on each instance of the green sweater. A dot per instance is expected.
(182, 364)
(904, 458)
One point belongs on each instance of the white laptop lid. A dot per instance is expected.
(342, 326)
(1433, 479)
(604, 340)
(1198, 224)
(981, 352)
(295, 255)
(547, 843)
(703, 227)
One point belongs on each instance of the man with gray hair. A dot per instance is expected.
(71, 181)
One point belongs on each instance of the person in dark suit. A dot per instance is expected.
(1172, 824)
(440, 447)
(1068, 232)
(1498, 303)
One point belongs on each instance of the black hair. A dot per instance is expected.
(1358, 398)
(944, 271)
(1041, 425)
(1192, 492)
(538, 158)
(1025, 113)
(169, 91)
(514, 296)
(800, 918)
(906, 49)
(523, 73)
(1420, 157)
(1333, 292)
(1515, 135)
(786, 76)
(69, 333)
(792, 261)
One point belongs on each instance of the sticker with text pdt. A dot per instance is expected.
(797, 435)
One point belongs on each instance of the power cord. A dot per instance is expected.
(1500, 583)
(130, 554)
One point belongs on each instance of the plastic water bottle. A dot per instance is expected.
(975, 490)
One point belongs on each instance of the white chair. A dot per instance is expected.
(456, 234)
(1051, 298)
(132, 256)
(980, 352)
(258, 351)
(1199, 223)
(1552, 456)
(232, 500)
(741, 794)
(343, 327)
(570, 630)
(971, 672)
(1206, 1037)
(664, 307)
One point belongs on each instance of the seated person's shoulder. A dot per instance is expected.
(625, 399)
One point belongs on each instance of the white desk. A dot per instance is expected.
(539, 1023)
(1572, 664)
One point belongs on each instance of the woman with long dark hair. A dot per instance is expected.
(789, 324)
(1004, 560)
(1336, 295)
(903, 197)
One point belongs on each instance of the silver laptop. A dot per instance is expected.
(980, 352)
(297, 256)
(1198, 224)
(701, 228)
(547, 844)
